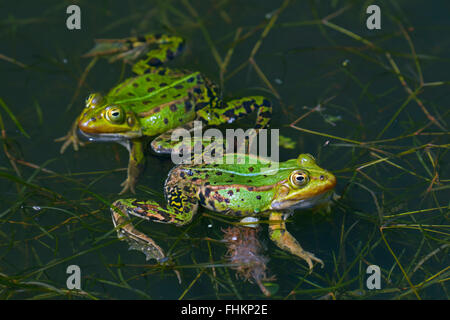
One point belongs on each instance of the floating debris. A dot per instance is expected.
(245, 252)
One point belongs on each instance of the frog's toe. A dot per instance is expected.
(310, 257)
(69, 140)
(127, 185)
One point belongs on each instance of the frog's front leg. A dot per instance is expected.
(71, 138)
(136, 164)
(284, 240)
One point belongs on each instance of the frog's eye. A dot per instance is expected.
(299, 178)
(115, 115)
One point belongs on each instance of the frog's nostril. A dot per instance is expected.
(322, 177)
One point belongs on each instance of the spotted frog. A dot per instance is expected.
(154, 102)
(243, 187)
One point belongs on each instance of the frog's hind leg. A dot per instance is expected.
(167, 48)
(163, 144)
(284, 240)
(153, 49)
(136, 239)
(179, 211)
(229, 111)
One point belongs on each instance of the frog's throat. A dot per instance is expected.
(122, 138)
(110, 137)
(303, 203)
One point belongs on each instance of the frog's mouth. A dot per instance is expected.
(303, 203)
(105, 137)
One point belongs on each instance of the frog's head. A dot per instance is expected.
(307, 185)
(101, 120)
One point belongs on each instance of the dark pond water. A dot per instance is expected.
(379, 86)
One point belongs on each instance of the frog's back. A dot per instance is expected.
(242, 188)
(161, 101)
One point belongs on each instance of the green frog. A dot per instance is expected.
(155, 102)
(246, 187)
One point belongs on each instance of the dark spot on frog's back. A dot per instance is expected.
(166, 121)
(191, 79)
(150, 89)
(188, 106)
(179, 86)
(162, 84)
(207, 192)
(135, 84)
(154, 62)
(258, 197)
(173, 107)
(169, 54)
(251, 169)
(230, 193)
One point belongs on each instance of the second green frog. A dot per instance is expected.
(246, 186)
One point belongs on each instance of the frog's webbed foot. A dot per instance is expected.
(136, 239)
(127, 231)
(71, 138)
(128, 185)
(284, 240)
(180, 214)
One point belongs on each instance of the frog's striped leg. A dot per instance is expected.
(168, 47)
(180, 208)
(136, 165)
(154, 49)
(284, 240)
(229, 111)
(164, 144)
(137, 240)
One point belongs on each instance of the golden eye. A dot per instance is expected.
(299, 178)
(115, 115)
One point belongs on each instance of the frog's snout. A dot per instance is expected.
(329, 179)
(87, 124)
